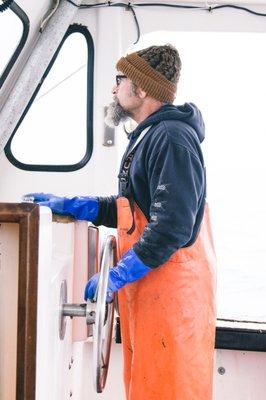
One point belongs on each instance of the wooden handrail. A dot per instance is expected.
(27, 216)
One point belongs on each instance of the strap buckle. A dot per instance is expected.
(123, 177)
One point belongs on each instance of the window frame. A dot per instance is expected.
(26, 27)
(89, 118)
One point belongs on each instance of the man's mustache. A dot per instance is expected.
(115, 113)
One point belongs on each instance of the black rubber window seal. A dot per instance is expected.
(69, 167)
(26, 27)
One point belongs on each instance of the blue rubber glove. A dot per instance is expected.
(81, 208)
(129, 269)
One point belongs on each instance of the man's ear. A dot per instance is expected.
(141, 93)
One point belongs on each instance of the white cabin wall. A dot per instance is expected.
(244, 375)
(113, 31)
(154, 19)
(64, 366)
(56, 260)
(99, 175)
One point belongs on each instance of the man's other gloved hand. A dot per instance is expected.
(128, 269)
(81, 208)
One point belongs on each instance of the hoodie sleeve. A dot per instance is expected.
(107, 214)
(176, 184)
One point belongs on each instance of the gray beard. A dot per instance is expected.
(115, 114)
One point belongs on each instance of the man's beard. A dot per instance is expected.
(115, 114)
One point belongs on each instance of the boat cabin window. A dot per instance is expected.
(55, 131)
(14, 26)
(224, 75)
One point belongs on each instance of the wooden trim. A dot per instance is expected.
(27, 216)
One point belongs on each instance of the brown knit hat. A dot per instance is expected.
(155, 69)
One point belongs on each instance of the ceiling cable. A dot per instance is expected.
(131, 6)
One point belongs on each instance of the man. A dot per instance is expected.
(165, 276)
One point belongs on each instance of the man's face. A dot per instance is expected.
(125, 101)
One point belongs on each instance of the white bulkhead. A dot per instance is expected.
(209, 39)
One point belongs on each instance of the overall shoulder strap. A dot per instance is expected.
(124, 173)
(139, 139)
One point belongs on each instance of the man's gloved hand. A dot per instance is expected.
(128, 269)
(81, 208)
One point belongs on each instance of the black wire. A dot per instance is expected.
(110, 4)
(6, 4)
(165, 5)
(238, 8)
(136, 21)
(126, 5)
(131, 8)
(210, 8)
(88, 5)
(73, 4)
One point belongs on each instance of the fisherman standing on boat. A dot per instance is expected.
(165, 276)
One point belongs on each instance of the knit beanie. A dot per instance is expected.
(155, 70)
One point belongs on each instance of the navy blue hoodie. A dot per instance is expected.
(168, 182)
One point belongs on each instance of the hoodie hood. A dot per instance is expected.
(188, 113)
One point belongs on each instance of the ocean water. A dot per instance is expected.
(239, 220)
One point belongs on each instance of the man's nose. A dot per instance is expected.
(114, 89)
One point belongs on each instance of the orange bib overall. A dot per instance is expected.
(168, 318)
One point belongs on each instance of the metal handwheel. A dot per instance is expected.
(100, 314)
(104, 317)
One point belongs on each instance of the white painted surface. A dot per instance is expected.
(244, 377)
(56, 257)
(65, 366)
(80, 276)
(82, 374)
(9, 240)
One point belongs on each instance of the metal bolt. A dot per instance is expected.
(109, 142)
(71, 362)
(221, 370)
